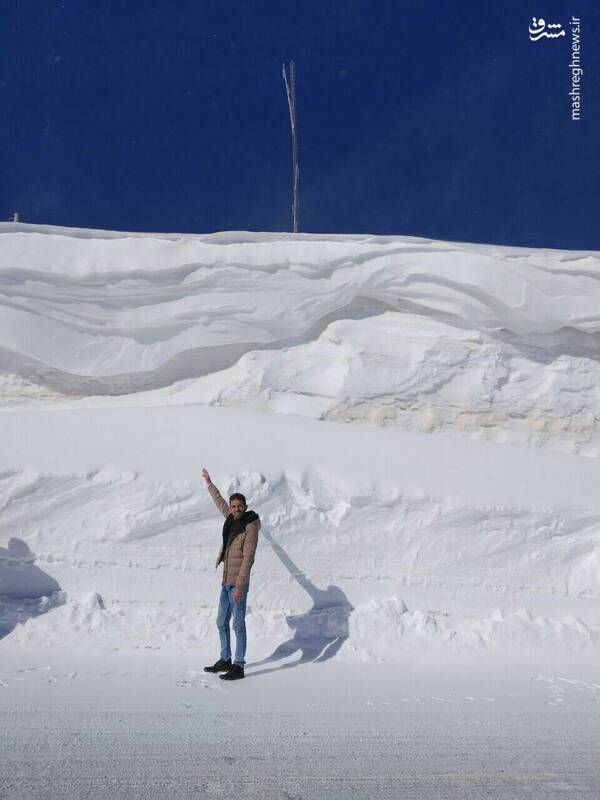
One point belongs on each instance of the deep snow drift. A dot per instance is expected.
(488, 342)
(415, 421)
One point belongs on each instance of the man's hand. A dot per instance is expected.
(206, 477)
(238, 595)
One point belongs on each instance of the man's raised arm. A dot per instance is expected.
(219, 501)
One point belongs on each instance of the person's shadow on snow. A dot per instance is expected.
(320, 632)
(26, 591)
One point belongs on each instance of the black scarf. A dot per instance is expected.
(247, 516)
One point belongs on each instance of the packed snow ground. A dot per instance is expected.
(415, 421)
(151, 724)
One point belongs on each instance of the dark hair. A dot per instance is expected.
(238, 496)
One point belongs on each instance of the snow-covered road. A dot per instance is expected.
(153, 724)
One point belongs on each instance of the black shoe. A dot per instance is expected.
(234, 674)
(220, 666)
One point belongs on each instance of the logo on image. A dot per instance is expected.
(540, 29)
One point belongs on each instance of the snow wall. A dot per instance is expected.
(415, 421)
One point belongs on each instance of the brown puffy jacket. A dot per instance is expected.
(241, 547)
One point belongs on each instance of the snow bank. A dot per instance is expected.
(419, 374)
(339, 562)
(477, 340)
(340, 383)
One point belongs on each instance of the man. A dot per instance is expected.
(240, 537)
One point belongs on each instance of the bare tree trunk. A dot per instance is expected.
(290, 88)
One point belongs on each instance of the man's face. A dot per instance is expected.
(237, 508)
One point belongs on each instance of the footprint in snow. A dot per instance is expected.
(186, 684)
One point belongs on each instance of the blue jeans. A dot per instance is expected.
(227, 610)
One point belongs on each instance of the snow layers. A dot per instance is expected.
(479, 341)
(419, 374)
(130, 361)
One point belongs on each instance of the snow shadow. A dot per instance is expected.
(26, 591)
(320, 632)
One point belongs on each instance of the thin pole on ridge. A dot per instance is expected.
(290, 88)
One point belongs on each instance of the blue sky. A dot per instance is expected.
(427, 118)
